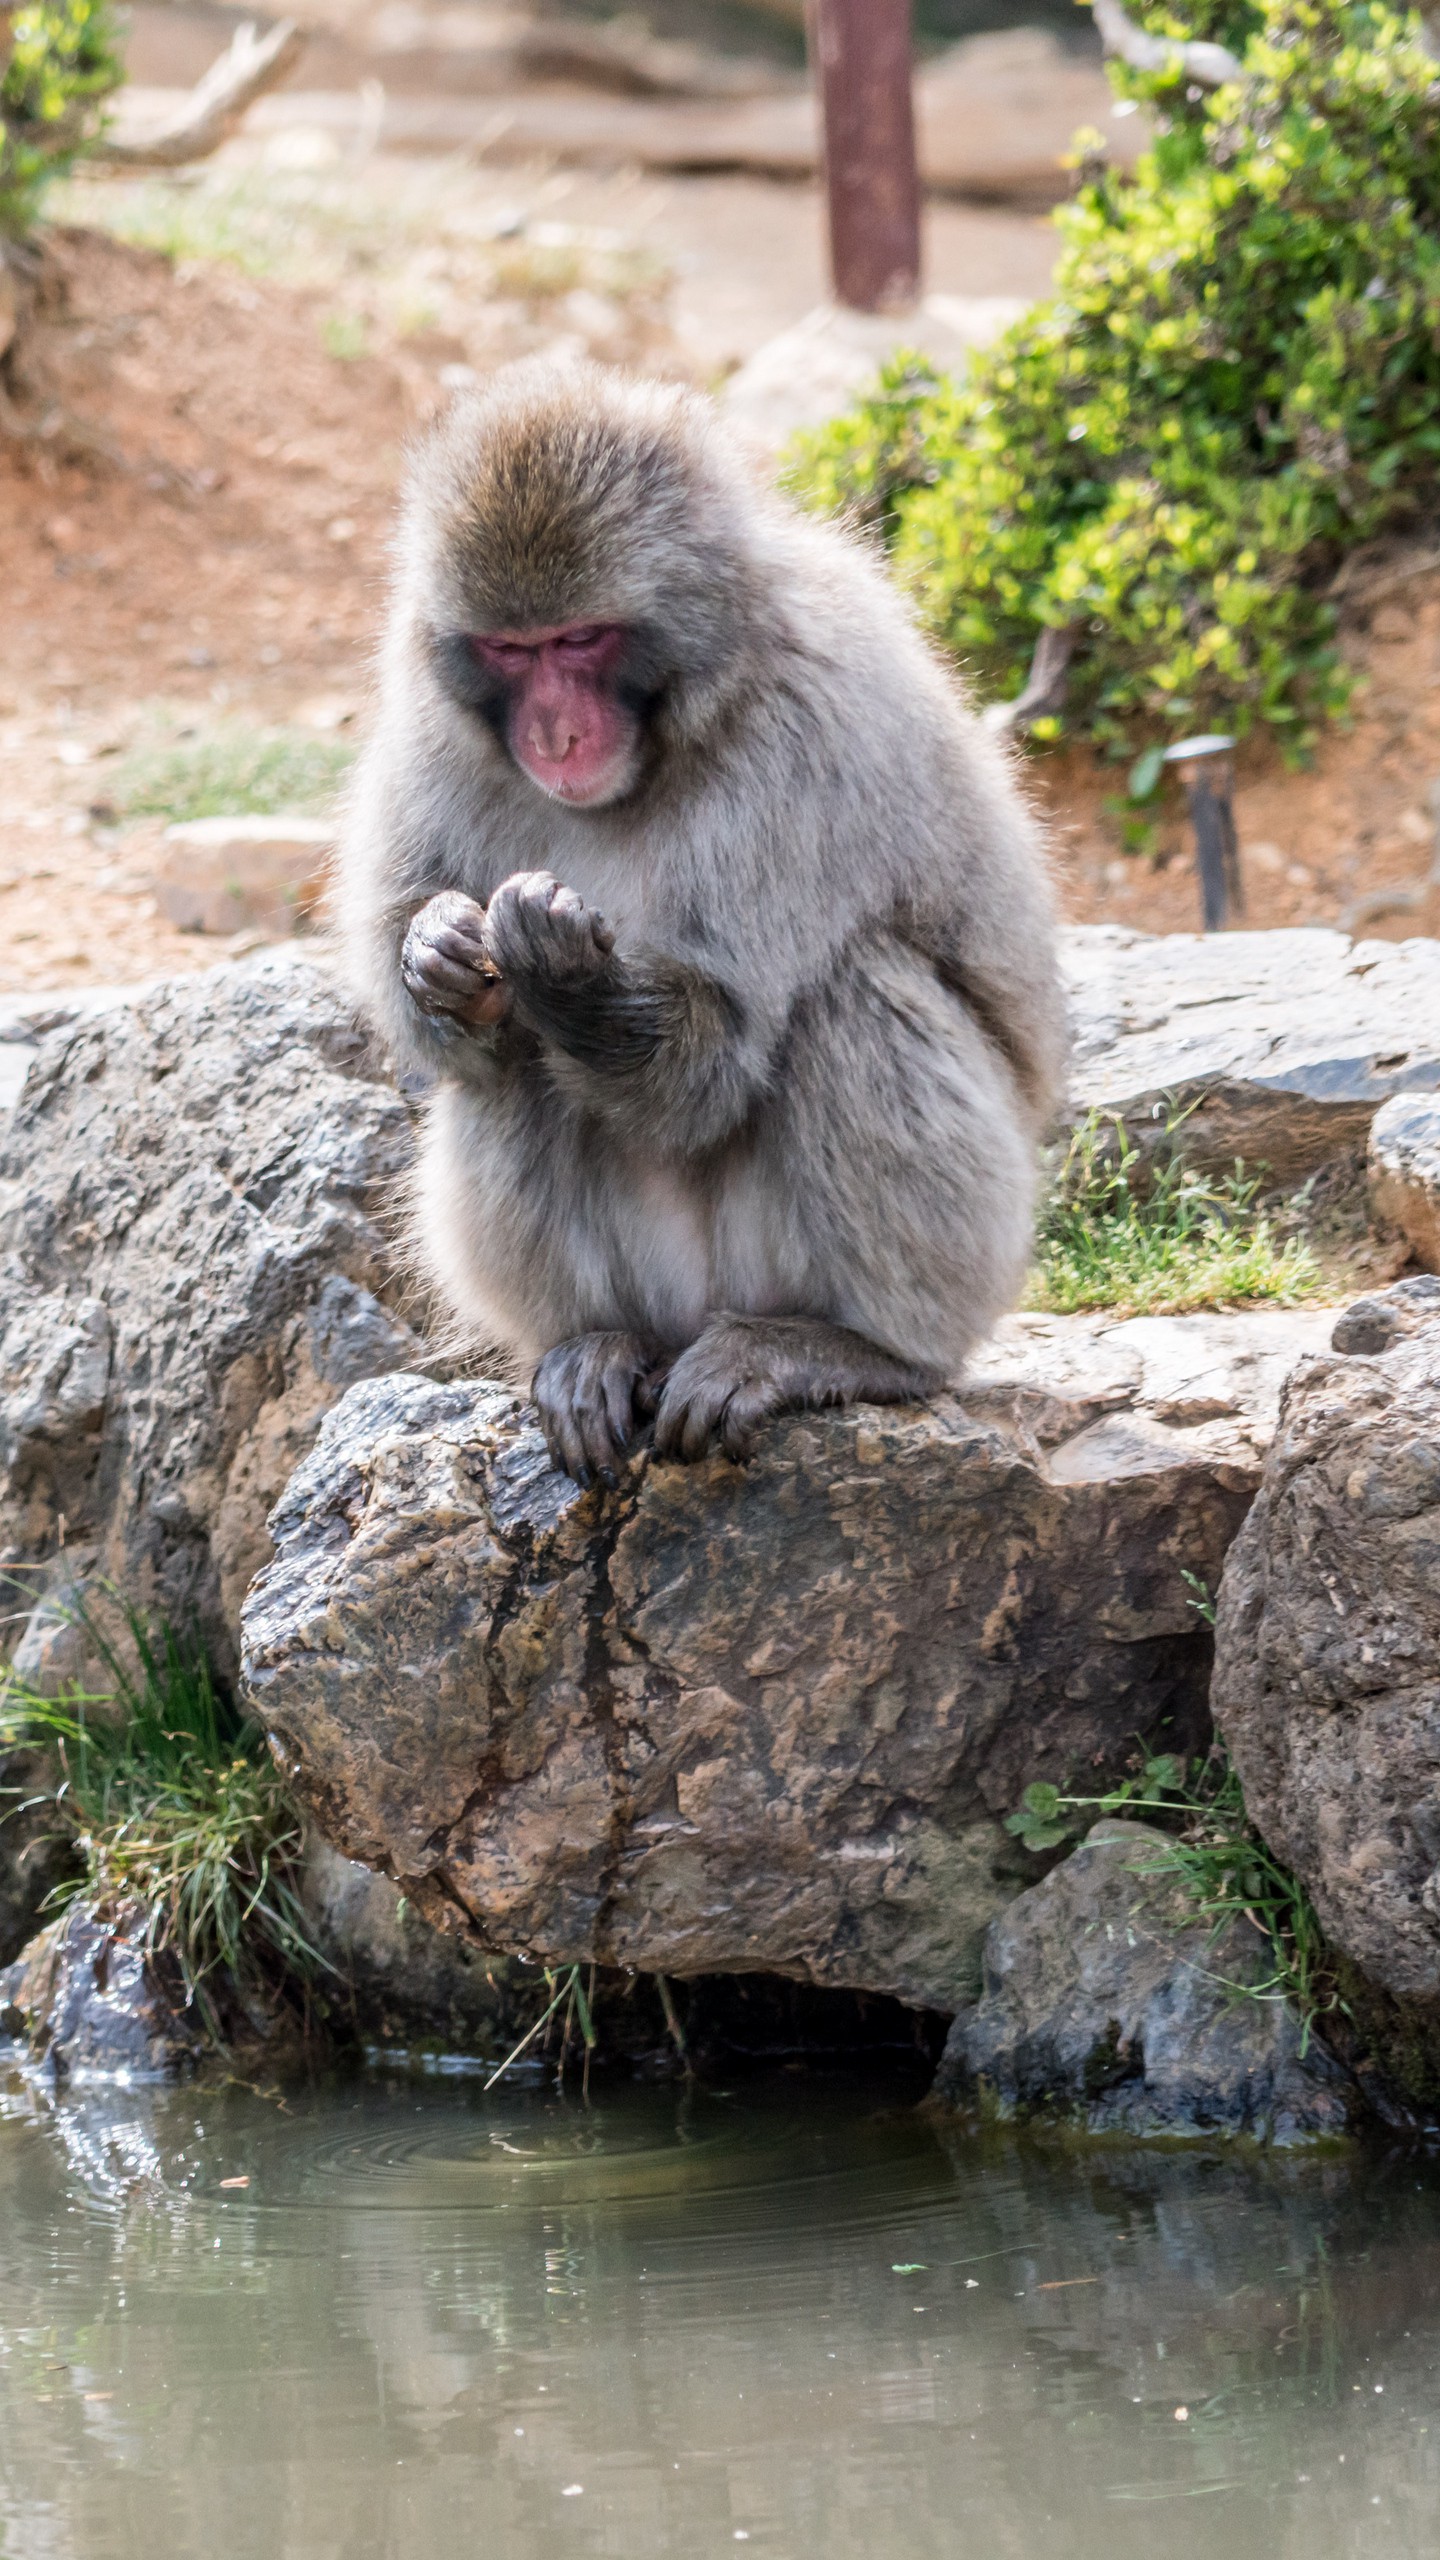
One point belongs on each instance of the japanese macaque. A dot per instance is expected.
(680, 864)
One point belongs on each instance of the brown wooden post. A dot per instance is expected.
(862, 56)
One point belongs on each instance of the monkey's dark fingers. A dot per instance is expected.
(690, 1406)
(602, 1452)
(604, 934)
(620, 1397)
(463, 941)
(431, 969)
(751, 1404)
(552, 1390)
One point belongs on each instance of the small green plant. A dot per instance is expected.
(58, 62)
(1226, 1869)
(1235, 384)
(1151, 1235)
(231, 772)
(173, 1803)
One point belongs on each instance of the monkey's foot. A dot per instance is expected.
(746, 1367)
(591, 1392)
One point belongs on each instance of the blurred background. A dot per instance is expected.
(224, 361)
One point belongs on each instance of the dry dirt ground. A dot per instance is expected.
(218, 567)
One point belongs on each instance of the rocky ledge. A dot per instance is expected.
(770, 1718)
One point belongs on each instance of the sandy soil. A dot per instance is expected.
(226, 562)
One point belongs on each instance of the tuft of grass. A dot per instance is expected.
(1226, 1869)
(345, 335)
(392, 250)
(1154, 1236)
(232, 772)
(173, 1802)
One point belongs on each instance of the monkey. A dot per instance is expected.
(715, 918)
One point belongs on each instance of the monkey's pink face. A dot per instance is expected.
(566, 725)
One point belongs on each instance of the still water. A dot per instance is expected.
(390, 2319)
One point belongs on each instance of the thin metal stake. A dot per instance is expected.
(1208, 774)
(862, 55)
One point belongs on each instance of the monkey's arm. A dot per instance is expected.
(987, 931)
(652, 1043)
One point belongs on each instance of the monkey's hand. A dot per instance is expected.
(542, 935)
(446, 962)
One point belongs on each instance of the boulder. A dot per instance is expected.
(1327, 1673)
(1285, 1043)
(227, 875)
(766, 1719)
(1404, 1164)
(1106, 2003)
(195, 1190)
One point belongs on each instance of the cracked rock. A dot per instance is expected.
(194, 1190)
(770, 1718)
(1327, 1671)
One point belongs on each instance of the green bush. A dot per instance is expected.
(62, 62)
(1236, 382)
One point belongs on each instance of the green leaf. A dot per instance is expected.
(1166, 1774)
(1041, 1802)
(1145, 773)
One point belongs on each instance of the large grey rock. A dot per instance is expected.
(1404, 1166)
(767, 1719)
(194, 1193)
(1327, 1673)
(1106, 2002)
(1287, 1043)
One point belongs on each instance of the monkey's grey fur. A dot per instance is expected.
(778, 1147)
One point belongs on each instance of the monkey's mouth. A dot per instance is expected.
(581, 781)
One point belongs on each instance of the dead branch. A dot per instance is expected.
(7, 34)
(253, 64)
(1045, 686)
(1208, 65)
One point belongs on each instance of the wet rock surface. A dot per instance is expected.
(85, 2001)
(1107, 2005)
(770, 1718)
(194, 1194)
(1327, 1672)
(1286, 1043)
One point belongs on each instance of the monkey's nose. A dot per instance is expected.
(553, 741)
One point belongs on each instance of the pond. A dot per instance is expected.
(385, 2318)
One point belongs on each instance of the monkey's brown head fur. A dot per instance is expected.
(565, 497)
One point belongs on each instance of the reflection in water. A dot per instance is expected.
(431, 2321)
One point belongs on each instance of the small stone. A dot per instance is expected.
(233, 875)
(1404, 1167)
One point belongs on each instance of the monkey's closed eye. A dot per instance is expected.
(509, 657)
